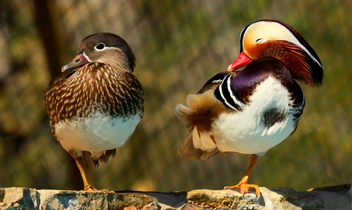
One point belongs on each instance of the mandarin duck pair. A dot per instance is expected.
(95, 105)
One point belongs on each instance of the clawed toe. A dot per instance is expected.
(244, 188)
(89, 188)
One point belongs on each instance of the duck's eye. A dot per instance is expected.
(259, 41)
(99, 46)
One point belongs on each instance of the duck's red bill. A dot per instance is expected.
(240, 61)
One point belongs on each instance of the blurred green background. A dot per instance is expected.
(179, 45)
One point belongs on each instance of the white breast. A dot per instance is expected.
(95, 134)
(245, 132)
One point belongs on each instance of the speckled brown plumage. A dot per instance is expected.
(94, 87)
(96, 103)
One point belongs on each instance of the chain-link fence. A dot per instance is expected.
(179, 45)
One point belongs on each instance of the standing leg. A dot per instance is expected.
(243, 184)
(87, 186)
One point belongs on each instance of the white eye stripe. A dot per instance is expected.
(111, 47)
(105, 47)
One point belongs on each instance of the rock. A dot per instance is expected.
(334, 197)
(13, 198)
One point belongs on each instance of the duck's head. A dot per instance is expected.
(273, 38)
(104, 48)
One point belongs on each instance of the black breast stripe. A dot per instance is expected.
(224, 94)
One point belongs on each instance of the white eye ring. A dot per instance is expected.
(260, 40)
(100, 46)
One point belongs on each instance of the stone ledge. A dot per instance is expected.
(14, 198)
(334, 197)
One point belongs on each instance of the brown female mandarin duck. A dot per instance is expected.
(95, 105)
(249, 111)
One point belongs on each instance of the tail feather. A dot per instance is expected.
(197, 111)
(188, 151)
(183, 112)
(197, 115)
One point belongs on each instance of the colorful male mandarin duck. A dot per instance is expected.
(252, 109)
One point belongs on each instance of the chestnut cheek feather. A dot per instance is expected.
(300, 64)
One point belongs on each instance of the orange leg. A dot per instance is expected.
(243, 184)
(87, 186)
